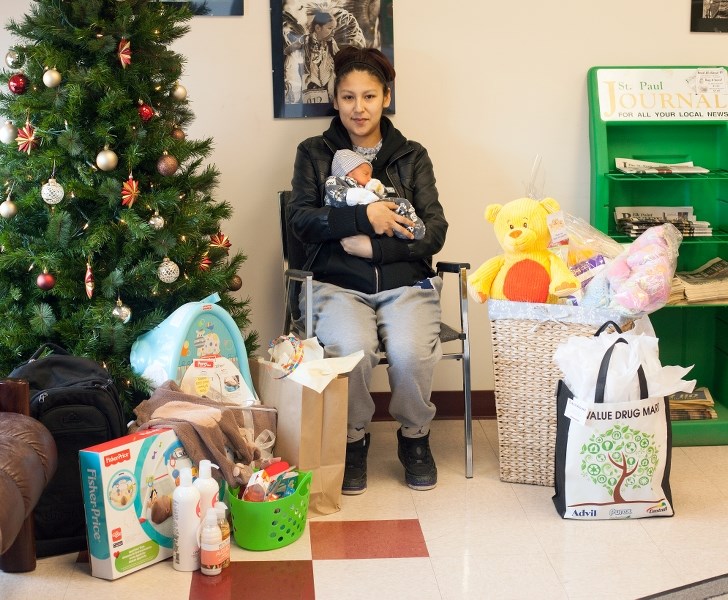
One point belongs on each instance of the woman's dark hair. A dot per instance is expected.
(371, 60)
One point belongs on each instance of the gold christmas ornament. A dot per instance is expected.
(8, 209)
(8, 133)
(179, 92)
(106, 160)
(178, 134)
(52, 78)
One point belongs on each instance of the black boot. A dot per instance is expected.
(355, 470)
(420, 471)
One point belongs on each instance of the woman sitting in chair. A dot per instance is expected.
(372, 289)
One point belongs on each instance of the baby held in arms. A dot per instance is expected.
(351, 183)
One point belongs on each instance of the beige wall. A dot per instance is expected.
(485, 86)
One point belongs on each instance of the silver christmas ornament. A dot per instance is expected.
(156, 221)
(52, 192)
(106, 160)
(179, 92)
(168, 271)
(8, 209)
(52, 78)
(8, 133)
(12, 59)
(121, 311)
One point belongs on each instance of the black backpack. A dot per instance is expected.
(79, 404)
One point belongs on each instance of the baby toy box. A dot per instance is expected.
(127, 491)
(200, 347)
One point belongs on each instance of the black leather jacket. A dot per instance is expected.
(401, 164)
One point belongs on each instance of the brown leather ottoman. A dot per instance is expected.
(27, 462)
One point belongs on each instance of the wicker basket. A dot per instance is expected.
(524, 337)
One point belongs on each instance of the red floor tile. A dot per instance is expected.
(279, 580)
(333, 540)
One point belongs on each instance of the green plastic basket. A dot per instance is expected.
(270, 525)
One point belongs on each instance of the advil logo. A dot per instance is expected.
(584, 513)
(117, 457)
(116, 534)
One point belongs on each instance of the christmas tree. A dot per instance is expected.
(109, 222)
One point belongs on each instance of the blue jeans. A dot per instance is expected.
(405, 322)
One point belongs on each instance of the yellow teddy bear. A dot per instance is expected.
(527, 271)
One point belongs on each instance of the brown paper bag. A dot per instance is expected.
(311, 431)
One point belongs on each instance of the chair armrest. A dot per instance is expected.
(305, 278)
(298, 275)
(451, 267)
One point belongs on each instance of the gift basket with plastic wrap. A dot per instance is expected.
(558, 277)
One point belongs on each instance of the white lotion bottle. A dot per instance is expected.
(211, 552)
(185, 523)
(207, 486)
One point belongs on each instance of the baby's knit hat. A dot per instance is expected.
(346, 161)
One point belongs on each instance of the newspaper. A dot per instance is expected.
(713, 271)
(708, 283)
(633, 220)
(629, 165)
(662, 213)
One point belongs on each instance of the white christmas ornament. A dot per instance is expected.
(52, 78)
(8, 209)
(8, 133)
(106, 160)
(168, 271)
(52, 192)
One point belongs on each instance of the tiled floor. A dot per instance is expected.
(477, 538)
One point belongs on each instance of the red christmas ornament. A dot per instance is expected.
(124, 52)
(45, 281)
(26, 138)
(146, 112)
(88, 281)
(220, 240)
(129, 191)
(205, 263)
(18, 83)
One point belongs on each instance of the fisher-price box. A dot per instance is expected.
(127, 491)
(200, 347)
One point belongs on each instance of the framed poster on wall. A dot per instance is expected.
(305, 36)
(709, 15)
(213, 8)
